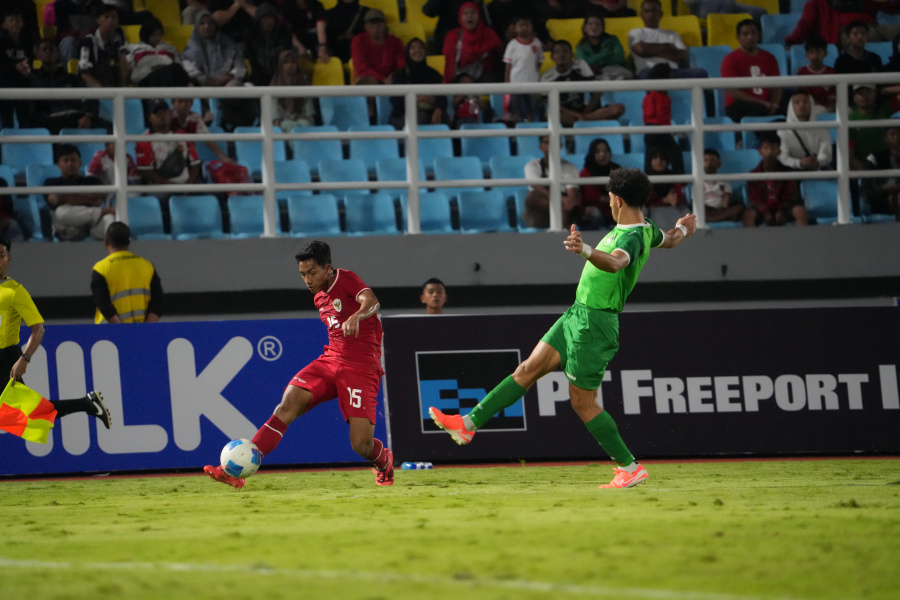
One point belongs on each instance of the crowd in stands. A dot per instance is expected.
(114, 43)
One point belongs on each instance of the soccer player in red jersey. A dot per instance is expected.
(349, 369)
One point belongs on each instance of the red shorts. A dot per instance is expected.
(354, 385)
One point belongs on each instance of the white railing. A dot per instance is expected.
(411, 134)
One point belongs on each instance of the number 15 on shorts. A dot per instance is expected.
(355, 399)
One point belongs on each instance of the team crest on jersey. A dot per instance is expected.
(337, 305)
(608, 240)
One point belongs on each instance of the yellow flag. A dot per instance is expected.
(25, 413)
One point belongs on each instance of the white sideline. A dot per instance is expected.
(462, 581)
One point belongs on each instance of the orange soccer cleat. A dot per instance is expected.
(452, 424)
(386, 477)
(219, 474)
(624, 479)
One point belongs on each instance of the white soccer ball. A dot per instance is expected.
(240, 458)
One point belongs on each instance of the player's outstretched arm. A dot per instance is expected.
(685, 226)
(611, 263)
(368, 306)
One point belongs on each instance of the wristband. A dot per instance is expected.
(586, 251)
(683, 229)
(27, 357)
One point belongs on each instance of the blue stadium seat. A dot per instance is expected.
(370, 214)
(883, 18)
(710, 58)
(312, 151)
(36, 175)
(777, 27)
(749, 138)
(739, 161)
(383, 110)
(487, 147)
(19, 156)
(455, 169)
(249, 154)
(529, 145)
(311, 216)
(145, 218)
(831, 117)
(343, 171)
(797, 6)
(34, 206)
(719, 140)
(434, 213)
(509, 167)
(204, 151)
(633, 103)
(681, 106)
(394, 169)
(777, 50)
(882, 49)
(195, 217)
(483, 211)
(246, 215)
(135, 123)
(7, 175)
(432, 148)
(798, 57)
(291, 171)
(583, 142)
(630, 160)
(344, 112)
(520, 210)
(370, 151)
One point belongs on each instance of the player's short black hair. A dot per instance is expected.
(712, 152)
(565, 43)
(118, 235)
(433, 280)
(815, 42)
(632, 185)
(743, 23)
(768, 137)
(320, 252)
(60, 150)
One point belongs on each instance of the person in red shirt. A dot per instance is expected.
(376, 54)
(816, 51)
(774, 201)
(349, 368)
(749, 60)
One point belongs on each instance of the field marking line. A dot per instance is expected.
(461, 581)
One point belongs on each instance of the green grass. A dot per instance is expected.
(814, 530)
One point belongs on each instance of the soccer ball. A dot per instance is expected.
(240, 458)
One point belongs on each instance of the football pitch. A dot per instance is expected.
(730, 530)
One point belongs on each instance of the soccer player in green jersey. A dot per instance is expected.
(586, 337)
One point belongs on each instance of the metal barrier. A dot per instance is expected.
(411, 134)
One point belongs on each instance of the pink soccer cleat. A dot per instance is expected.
(624, 479)
(452, 424)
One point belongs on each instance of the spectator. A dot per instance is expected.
(376, 54)
(866, 140)
(468, 108)
(523, 57)
(28, 11)
(718, 196)
(342, 24)
(611, 8)
(883, 195)
(99, 52)
(667, 200)
(776, 201)
(651, 45)
(473, 48)
(572, 106)
(816, 50)
(76, 216)
(153, 62)
(306, 21)
(291, 111)
(264, 43)
(15, 67)
(855, 58)
(657, 110)
(702, 8)
(234, 17)
(434, 296)
(126, 288)
(502, 13)
(537, 201)
(185, 119)
(103, 167)
(892, 92)
(127, 16)
(804, 149)
(74, 20)
(827, 18)
(213, 59)
(602, 51)
(164, 162)
(430, 109)
(9, 227)
(190, 10)
(447, 13)
(749, 60)
(58, 113)
(595, 211)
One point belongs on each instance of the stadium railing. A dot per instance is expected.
(411, 134)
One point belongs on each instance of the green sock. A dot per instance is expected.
(604, 430)
(505, 394)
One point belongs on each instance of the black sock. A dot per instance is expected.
(67, 407)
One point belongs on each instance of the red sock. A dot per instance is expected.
(378, 457)
(269, 435)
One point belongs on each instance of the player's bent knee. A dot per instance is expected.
(293, 403)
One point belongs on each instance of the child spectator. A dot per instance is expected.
(291, 111)
(595, 211)
(376, 54)
(76, 216)
(572, 106)
(434, 296)
(523, 57)
(185, 119)
(473, 48)
(657, 110)
(667, 202)
(15, 67)
(153, 62)
(855, 58)
(773, 202)
(718, 195)
(806, 149)
(467, 108)
(264, 42)
(816, 50)
(103, 167)
(602, 51)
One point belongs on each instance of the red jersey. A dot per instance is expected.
(335, 305)
(740, 64)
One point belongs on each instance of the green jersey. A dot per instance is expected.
(608, 291)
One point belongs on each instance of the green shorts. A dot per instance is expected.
(586, 339)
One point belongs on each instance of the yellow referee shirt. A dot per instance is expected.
(16, 306)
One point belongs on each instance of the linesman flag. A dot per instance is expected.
(25, 413)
